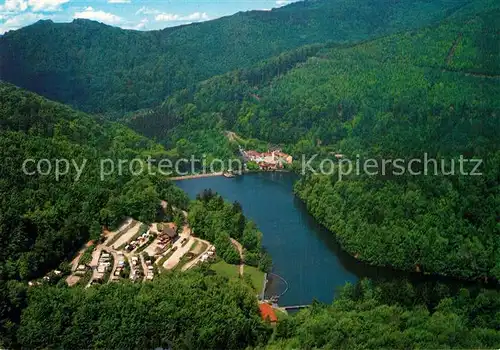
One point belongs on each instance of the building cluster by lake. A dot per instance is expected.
(271, 160)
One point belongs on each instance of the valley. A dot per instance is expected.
(135, 259)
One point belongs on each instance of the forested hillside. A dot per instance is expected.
(45, 220)
(395, 316)
(198, 310)
(98, 68)
(181, 311)
(429, 83)
(434, 91)
(310, 93)
(443, 102)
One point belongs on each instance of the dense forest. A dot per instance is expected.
(447, 224)
(188, 310)
(44, 220)
(431, 91)
(395, 315)
(369, 80)
(313, 94)
(199, 310)
(97, 68)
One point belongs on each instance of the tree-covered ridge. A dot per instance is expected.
(315, 92)
(467, 44)
(193, 121)
(98, 68)
(200, 310)
(396, 97)
(405, 106)
(395, 316)
(44, 220)
(180, 311)
(441, 224)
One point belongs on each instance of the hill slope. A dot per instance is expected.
(44, 218)
(433, 91)
(313, 92)
(98, 68)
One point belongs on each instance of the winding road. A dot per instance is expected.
(240, 250)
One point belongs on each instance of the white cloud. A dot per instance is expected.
(197, 16)
(280, 3)
(147, 11)
(14, 6)
(101, 16)
(46, 5)
(139, 26)
(119, 1)
(19, 21)
(193, 17)
(166, 17)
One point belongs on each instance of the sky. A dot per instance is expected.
(127, 14)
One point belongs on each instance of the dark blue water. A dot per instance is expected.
(303, 253)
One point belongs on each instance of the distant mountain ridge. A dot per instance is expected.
(301, 91)
(103, 69)
(431, 92)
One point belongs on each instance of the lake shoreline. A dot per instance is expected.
(194, 176)
(487, 282)
(204, 175)
(266, 203)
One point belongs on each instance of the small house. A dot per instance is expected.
(170, 230)
(267, 313)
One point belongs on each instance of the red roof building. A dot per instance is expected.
(267, 313)
(253, 154)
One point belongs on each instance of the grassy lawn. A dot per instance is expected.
(222, 268)
(256, 276)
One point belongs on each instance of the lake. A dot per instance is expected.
(304, 253)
